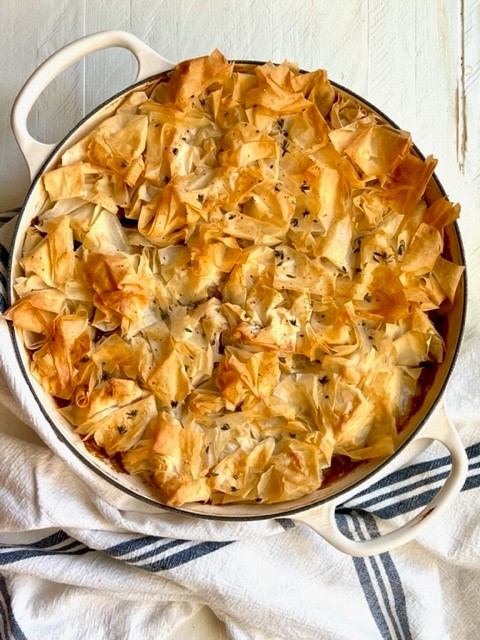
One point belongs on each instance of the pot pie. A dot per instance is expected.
(233, 282)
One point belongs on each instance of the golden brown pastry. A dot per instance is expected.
(230, 282)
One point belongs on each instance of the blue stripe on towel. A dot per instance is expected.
(161, 560)
(182, 557)
(394, 580)
(473, 451)
(398, 595)
(129, 546)
(416, 501)
(73, 549)
(366, 582)
(407, 473)
(10, 624)
(372, 562)
(385, 598)
(4, 618)
(473, 482)
(419, 475)
(365, 505)
(50, 541)
(404, 506)
(160, 548)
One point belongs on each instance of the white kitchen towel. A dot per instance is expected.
(80, 560)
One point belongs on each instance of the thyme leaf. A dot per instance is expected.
(382, 256)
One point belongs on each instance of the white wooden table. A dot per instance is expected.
(418, 61)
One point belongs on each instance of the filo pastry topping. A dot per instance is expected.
(231, 281)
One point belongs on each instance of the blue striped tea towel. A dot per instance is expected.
(78, 560)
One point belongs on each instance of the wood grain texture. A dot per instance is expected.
(418, 61)
(470, 89)
(391, 59)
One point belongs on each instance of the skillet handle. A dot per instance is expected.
(323, 521)
(35, 152)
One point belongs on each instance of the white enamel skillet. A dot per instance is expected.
(428, 423)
